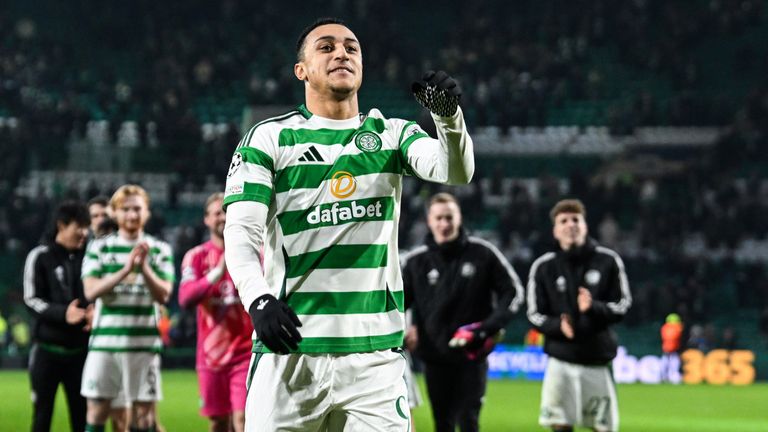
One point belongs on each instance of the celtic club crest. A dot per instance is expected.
(368, 142)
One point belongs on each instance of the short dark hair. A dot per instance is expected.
(67, 212)
(72, 211)
(107, 226)
(303, 38)
(100, 200)
(567, 206)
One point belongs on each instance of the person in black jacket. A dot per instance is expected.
(453, 281)
(53, 292)
(574, 295)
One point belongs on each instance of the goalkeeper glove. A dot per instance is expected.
(476, 340)
(275, 324)
(437, 92)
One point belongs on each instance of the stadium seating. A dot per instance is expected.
(649, 111)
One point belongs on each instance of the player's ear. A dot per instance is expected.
(300, 71)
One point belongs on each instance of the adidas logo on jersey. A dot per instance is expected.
(342, 212)
(311, 155)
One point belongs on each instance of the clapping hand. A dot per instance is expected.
(566, 326)
(584, 300)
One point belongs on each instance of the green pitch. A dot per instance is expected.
(509, 405)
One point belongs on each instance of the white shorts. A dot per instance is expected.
(120, 401)
(578, 395)
(327, 392)
(414, 394)
(134, 376)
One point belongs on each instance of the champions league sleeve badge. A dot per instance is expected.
(237, 160)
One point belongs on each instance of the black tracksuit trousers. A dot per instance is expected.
(456, 393)
(46, 370)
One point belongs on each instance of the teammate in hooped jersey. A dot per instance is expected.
(128, 274)
(223, 326)
(328, 307)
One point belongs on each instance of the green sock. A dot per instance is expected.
(94, 428)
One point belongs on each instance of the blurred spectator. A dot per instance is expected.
(671, 335)
(533, 338)
(763, 324)
(696, 339)
(20, 335)
(164, 326)
(608, 231)
(710, 337)
(3, 332)
(183, 330)
(729, 339)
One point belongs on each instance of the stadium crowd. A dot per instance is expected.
(517, 64)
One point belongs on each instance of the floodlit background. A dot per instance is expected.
(654, 113)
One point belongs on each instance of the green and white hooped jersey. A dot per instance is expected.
(332, 188)
(126, 318)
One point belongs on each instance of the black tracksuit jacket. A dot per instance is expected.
(552, 290)
(51, 282)
(453, 284)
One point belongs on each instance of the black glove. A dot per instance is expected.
(488, 328)
(437, 92)
(275, 324)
